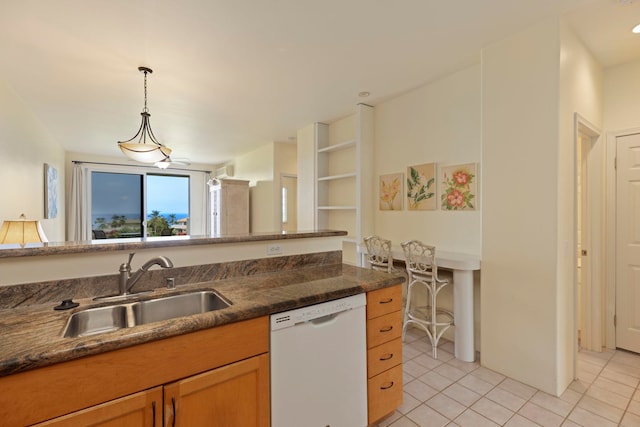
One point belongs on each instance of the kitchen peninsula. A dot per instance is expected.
(157, 358)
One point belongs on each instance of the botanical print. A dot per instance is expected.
(390, 192)
(421, 187)
(459, 187)
(51, 191)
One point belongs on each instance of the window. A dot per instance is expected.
(139, 204)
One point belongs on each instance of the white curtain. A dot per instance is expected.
(77, 228)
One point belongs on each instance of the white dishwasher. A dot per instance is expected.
(319, 365)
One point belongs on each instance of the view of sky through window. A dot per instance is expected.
(117, 204)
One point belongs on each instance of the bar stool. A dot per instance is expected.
(423, 275)
(379, 253)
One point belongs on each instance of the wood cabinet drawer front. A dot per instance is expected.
(384, 328)
(384, 301)
(384, 357)
(385, 393)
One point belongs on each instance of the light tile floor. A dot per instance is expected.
(448, 392)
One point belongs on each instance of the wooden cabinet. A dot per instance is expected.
(384, 351)
(230, 207)
(142, 409)
(112, 387)
(234, 395)
(344, 177)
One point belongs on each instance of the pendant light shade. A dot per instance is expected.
(144, 147)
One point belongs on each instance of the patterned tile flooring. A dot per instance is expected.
(448, 392)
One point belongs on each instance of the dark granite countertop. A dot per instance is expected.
(31, 336)
(57, 248)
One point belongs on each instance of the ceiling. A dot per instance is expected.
(231, 75)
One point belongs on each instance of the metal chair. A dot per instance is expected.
(379, 253)
(423, 275)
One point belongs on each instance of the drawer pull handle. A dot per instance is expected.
(173, 406)
(387, 387)
(387, 357)
(387, 301)
(387, 329)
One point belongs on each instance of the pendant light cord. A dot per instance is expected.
(145, 110)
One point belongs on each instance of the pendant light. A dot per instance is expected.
(147, 149)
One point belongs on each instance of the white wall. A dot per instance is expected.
(621, 97)
(581, 91)
(263, 167)
(257, 167)
(533, 82)
(26, 147)
(520, 173)
(439, 122)
(306, 153)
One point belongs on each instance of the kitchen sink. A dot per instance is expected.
(96, 321)
(176, 306)
(113, 317)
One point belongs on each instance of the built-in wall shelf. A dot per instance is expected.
(341, 176)
(340, 146)
(344, 178)
(336, 208)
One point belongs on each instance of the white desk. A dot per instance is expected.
(463, 266)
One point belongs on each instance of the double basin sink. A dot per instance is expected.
(125, 315)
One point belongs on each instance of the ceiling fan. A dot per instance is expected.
(168, 161)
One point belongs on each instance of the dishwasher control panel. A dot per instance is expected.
(306, 314)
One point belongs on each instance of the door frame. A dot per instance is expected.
(593, 293)
(282, 176)
(610, 230)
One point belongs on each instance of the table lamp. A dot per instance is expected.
(22, 231)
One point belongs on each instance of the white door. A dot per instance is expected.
(628, 243)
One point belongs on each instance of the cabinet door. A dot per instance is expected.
(142, 409)
(233, 395)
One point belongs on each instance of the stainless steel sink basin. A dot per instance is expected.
(110, 318)
(176, 306)
(96, 321)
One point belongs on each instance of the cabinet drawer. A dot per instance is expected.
(385, 393)
(384, 357)
(384, 328)
(384, 301)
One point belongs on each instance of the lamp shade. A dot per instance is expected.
(22, 231)
(145, 153)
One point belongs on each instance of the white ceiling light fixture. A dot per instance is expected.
(147, 149)
(636, 29)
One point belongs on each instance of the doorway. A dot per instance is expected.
(288, 202)
(589, 202)
(627, 239)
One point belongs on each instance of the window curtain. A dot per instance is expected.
(77, 225)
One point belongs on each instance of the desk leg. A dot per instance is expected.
(463, 315)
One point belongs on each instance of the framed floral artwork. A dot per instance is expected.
(390, 198)
(458, 187)
(421, 187)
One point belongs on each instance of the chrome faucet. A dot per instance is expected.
(127, 280)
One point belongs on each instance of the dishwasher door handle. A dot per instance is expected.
(318, 321)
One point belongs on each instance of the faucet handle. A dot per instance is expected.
(131, 254)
